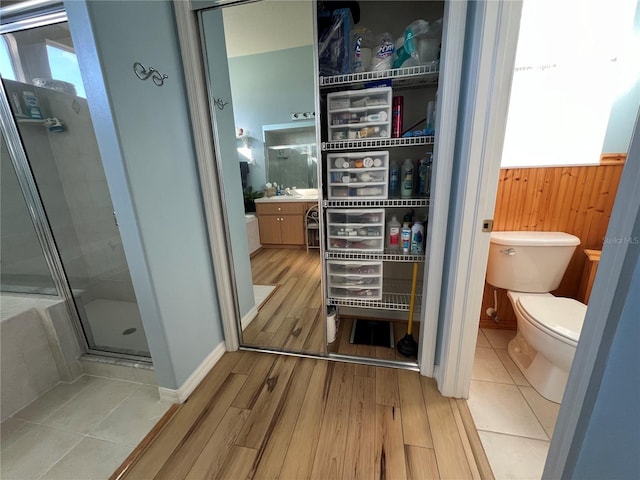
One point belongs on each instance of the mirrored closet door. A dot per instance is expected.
(262, 82)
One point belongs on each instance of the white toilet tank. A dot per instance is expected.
(529, 261)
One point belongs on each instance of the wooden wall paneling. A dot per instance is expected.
(577, 200)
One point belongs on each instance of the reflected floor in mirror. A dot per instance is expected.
(290, 317)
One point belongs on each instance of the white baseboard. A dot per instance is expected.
(181, 394)
(248, 318)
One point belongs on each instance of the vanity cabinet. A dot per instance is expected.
(281, 223)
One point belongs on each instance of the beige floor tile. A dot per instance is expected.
(545, 410)
(90, 459)
(84, 412)
(513, 457)
(501, 408)
(487, 366)
(133, 418)
(498, 338)
(36, 452)
(482, 340)
(512, 368)
(11, 430)
(51, 401)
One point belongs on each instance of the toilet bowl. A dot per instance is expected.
(529, 265)
(548, 329)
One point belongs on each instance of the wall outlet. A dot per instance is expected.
(303, 116)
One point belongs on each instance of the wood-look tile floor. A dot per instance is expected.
(291, 319)
(267, 416)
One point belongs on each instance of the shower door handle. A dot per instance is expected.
(115, 219)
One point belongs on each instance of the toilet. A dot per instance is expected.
(530, 265)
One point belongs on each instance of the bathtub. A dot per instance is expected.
(39, 349)
(253, 233)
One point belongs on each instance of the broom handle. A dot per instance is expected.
(412, 303)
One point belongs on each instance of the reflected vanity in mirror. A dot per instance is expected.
(259, 58)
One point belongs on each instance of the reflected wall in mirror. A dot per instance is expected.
(261, 55)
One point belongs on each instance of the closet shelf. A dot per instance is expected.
(389, 255)
(410, 76)
(340, 145)
(392, 202)
(390, 301)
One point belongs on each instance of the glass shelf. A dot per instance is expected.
(422, 75)
(392, 202)
(389, 255)
(390, 301)
(341, 145)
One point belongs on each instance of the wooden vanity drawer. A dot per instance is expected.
(280, 208)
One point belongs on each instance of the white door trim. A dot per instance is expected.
(455, 15)
(488, 84)
(190, 48)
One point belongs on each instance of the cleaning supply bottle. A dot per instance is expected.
(394, 179)
(417, 238)
(393, 233)
(406, 179)
(424, 175)
(406, 237)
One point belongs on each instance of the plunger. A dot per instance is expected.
(407, 346)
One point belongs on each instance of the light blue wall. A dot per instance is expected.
(624, 111)
(216, 60)
(267, 88)
(621, 121)
(145, 141)
(612, 438)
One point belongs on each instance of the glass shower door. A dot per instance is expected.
(53, 121)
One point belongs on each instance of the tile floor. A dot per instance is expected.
(82, 430)
(514, 421)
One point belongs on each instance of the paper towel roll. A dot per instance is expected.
(332, 329)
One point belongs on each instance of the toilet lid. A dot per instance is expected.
(563, 316)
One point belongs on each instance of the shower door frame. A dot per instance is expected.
(46, 13)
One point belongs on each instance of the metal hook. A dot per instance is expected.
(218, 102)
(143, 74)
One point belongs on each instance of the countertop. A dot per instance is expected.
(287, 198)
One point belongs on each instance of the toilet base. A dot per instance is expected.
(546, 378)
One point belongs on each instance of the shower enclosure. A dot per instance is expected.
(59, 230)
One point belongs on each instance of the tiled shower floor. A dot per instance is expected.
(111, 321)
(82, 430)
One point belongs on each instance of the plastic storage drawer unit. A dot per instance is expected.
(359, 114)
(355, 280)
(362, 175)
(355, 230)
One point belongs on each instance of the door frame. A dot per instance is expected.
(493, 34)
(453, 37)
(482, 148)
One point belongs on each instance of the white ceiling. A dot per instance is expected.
(267, 25)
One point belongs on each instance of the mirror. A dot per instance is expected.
(262, 75)
(290, 154)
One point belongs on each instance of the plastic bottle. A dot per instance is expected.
(406, 185)
(424, 175)
(408, 48)
(397, 112)
(394, 179)
(417, 238)
(406, 237)
(393, 233)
